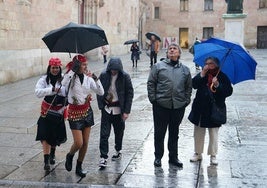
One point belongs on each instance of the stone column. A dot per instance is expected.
(234, 21)
(234, 27)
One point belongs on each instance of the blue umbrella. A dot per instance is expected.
(235, 61)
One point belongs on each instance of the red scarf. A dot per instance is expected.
(211, 74)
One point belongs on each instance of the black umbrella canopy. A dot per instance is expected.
(131, 41)
(149, 34)
(75, 38)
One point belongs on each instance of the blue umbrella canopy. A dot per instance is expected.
(235, 60)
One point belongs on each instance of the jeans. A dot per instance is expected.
(118, 125)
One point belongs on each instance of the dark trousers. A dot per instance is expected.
(153, 58)
(118, 126)
(166, 118)
(105, 58)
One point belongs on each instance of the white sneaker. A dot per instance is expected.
(196, 157)
(103, 162)
(213, 160)
(116, 156)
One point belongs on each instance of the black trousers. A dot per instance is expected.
(118, 125)
(166, 118)
(153, 58)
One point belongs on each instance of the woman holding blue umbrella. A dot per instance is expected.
(210, 84)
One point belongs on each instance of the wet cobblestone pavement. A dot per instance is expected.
(242, 141)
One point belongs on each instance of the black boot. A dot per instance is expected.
(52, 156)
(68, 163)
(46, 162)
(79, 170)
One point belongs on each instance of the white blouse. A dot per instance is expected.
(43, 89)
(78, 92)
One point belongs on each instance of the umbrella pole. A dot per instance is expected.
(211, 86)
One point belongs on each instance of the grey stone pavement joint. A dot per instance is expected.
(242, 141)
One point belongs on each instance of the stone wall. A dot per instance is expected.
(22, 25)
(24, 22)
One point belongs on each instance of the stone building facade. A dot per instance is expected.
(184, 20)
(23, 23)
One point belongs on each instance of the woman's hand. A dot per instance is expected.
(204, 71)
(215, 82)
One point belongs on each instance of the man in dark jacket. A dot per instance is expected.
(115, 106)
(169, 89)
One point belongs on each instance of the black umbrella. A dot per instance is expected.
(149, 34)
(131, 41)
(75, 38)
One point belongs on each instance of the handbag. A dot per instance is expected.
(218, 114)
(53, 117)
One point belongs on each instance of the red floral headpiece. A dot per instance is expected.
(80, 58)
(54, 61)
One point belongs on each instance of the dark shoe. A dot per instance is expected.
(52, 155)
(46, 162)
(47, 167)
(52, 159)
(116, 156)
(79, 170)
(157, 163)
(176, 162)
(68, 163)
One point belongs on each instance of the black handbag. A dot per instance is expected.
(218, 114)
(54, 117)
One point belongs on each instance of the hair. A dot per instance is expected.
(214, 59)
(48, 74)
(175, 44)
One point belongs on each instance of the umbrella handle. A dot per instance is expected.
(211, 86)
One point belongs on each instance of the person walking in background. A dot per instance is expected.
(104, 52)
(154, 50)
(49, 88)
(201, 107)
(192, 51)
(135, 56)
(169, 90)
(80, 114)
(115, 106)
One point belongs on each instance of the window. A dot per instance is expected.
(208, 5)
(263, 4)
(156, 13)
(184, 5)
(207, 32)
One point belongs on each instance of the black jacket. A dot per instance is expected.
(123, 86)
(201, 107)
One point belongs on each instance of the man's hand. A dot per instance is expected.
(125, 116)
